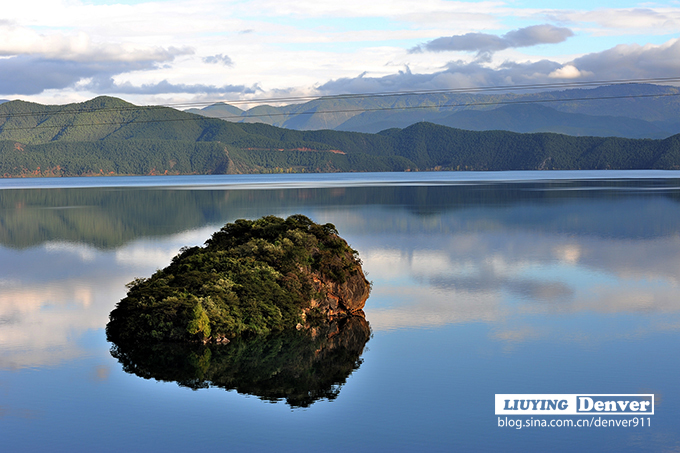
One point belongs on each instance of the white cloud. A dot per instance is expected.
(161, 51)
(218, 59)
(618, 63)
(402, 9)
(17, 40)
(568, 72)
(626, 21)
(633, 61)
(41, 61)
(485, 43)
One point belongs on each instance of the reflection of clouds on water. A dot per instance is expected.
(42, 321)
(518, 334)
(495, 277)
(422, 307)
(638, 259)
(52, 294)
(12, 412)
(100, 373)
(487, 280)
(84, 252)
(159, 253)
(631, 298)
(144, 254)
(568, 253)
(512, 267)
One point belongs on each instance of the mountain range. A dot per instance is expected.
(108, 136)
(624, 110)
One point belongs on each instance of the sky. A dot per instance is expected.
(178, 52)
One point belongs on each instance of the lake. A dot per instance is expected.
(483, 284)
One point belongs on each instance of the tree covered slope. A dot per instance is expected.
(107, 136)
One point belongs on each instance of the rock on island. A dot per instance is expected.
(252, 277)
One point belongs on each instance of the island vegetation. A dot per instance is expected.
(252, 277)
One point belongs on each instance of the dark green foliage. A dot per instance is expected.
(431, 146)
(298, 366)
(111, 157)
(107, 136)
(252, 277)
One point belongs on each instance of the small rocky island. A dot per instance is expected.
(252, 277)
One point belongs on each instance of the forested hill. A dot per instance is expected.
(630, 110)
(109, 136)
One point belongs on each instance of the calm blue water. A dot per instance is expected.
(483, 283)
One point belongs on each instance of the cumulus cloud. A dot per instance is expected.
(28, 75)
(633, 20)
(633, 61)
(457, 74)
(485, 44)
(16, 40)
(219, 59)
(568, 72)
(163, 87)
(37, 62)
(621, 62)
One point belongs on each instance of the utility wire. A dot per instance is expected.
(382, 94)
(377, 95)
(469, 104)
(312, 112)
(351, 110)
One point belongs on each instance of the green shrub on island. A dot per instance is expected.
(252, 277)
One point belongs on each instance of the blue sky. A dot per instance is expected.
(174, 51)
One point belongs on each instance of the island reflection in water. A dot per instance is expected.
(512, 256)
(538, 287)
(300, 367)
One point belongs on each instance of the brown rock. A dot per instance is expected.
(342, 299)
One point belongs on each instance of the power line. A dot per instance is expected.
(469, 104)
(296, 99)
(310, 112)
(471, 90)
(357, 110)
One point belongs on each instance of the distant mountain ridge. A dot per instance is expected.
(108, 136)
(529, 118)
(621, 115)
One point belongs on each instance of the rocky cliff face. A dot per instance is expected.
(341, 299)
